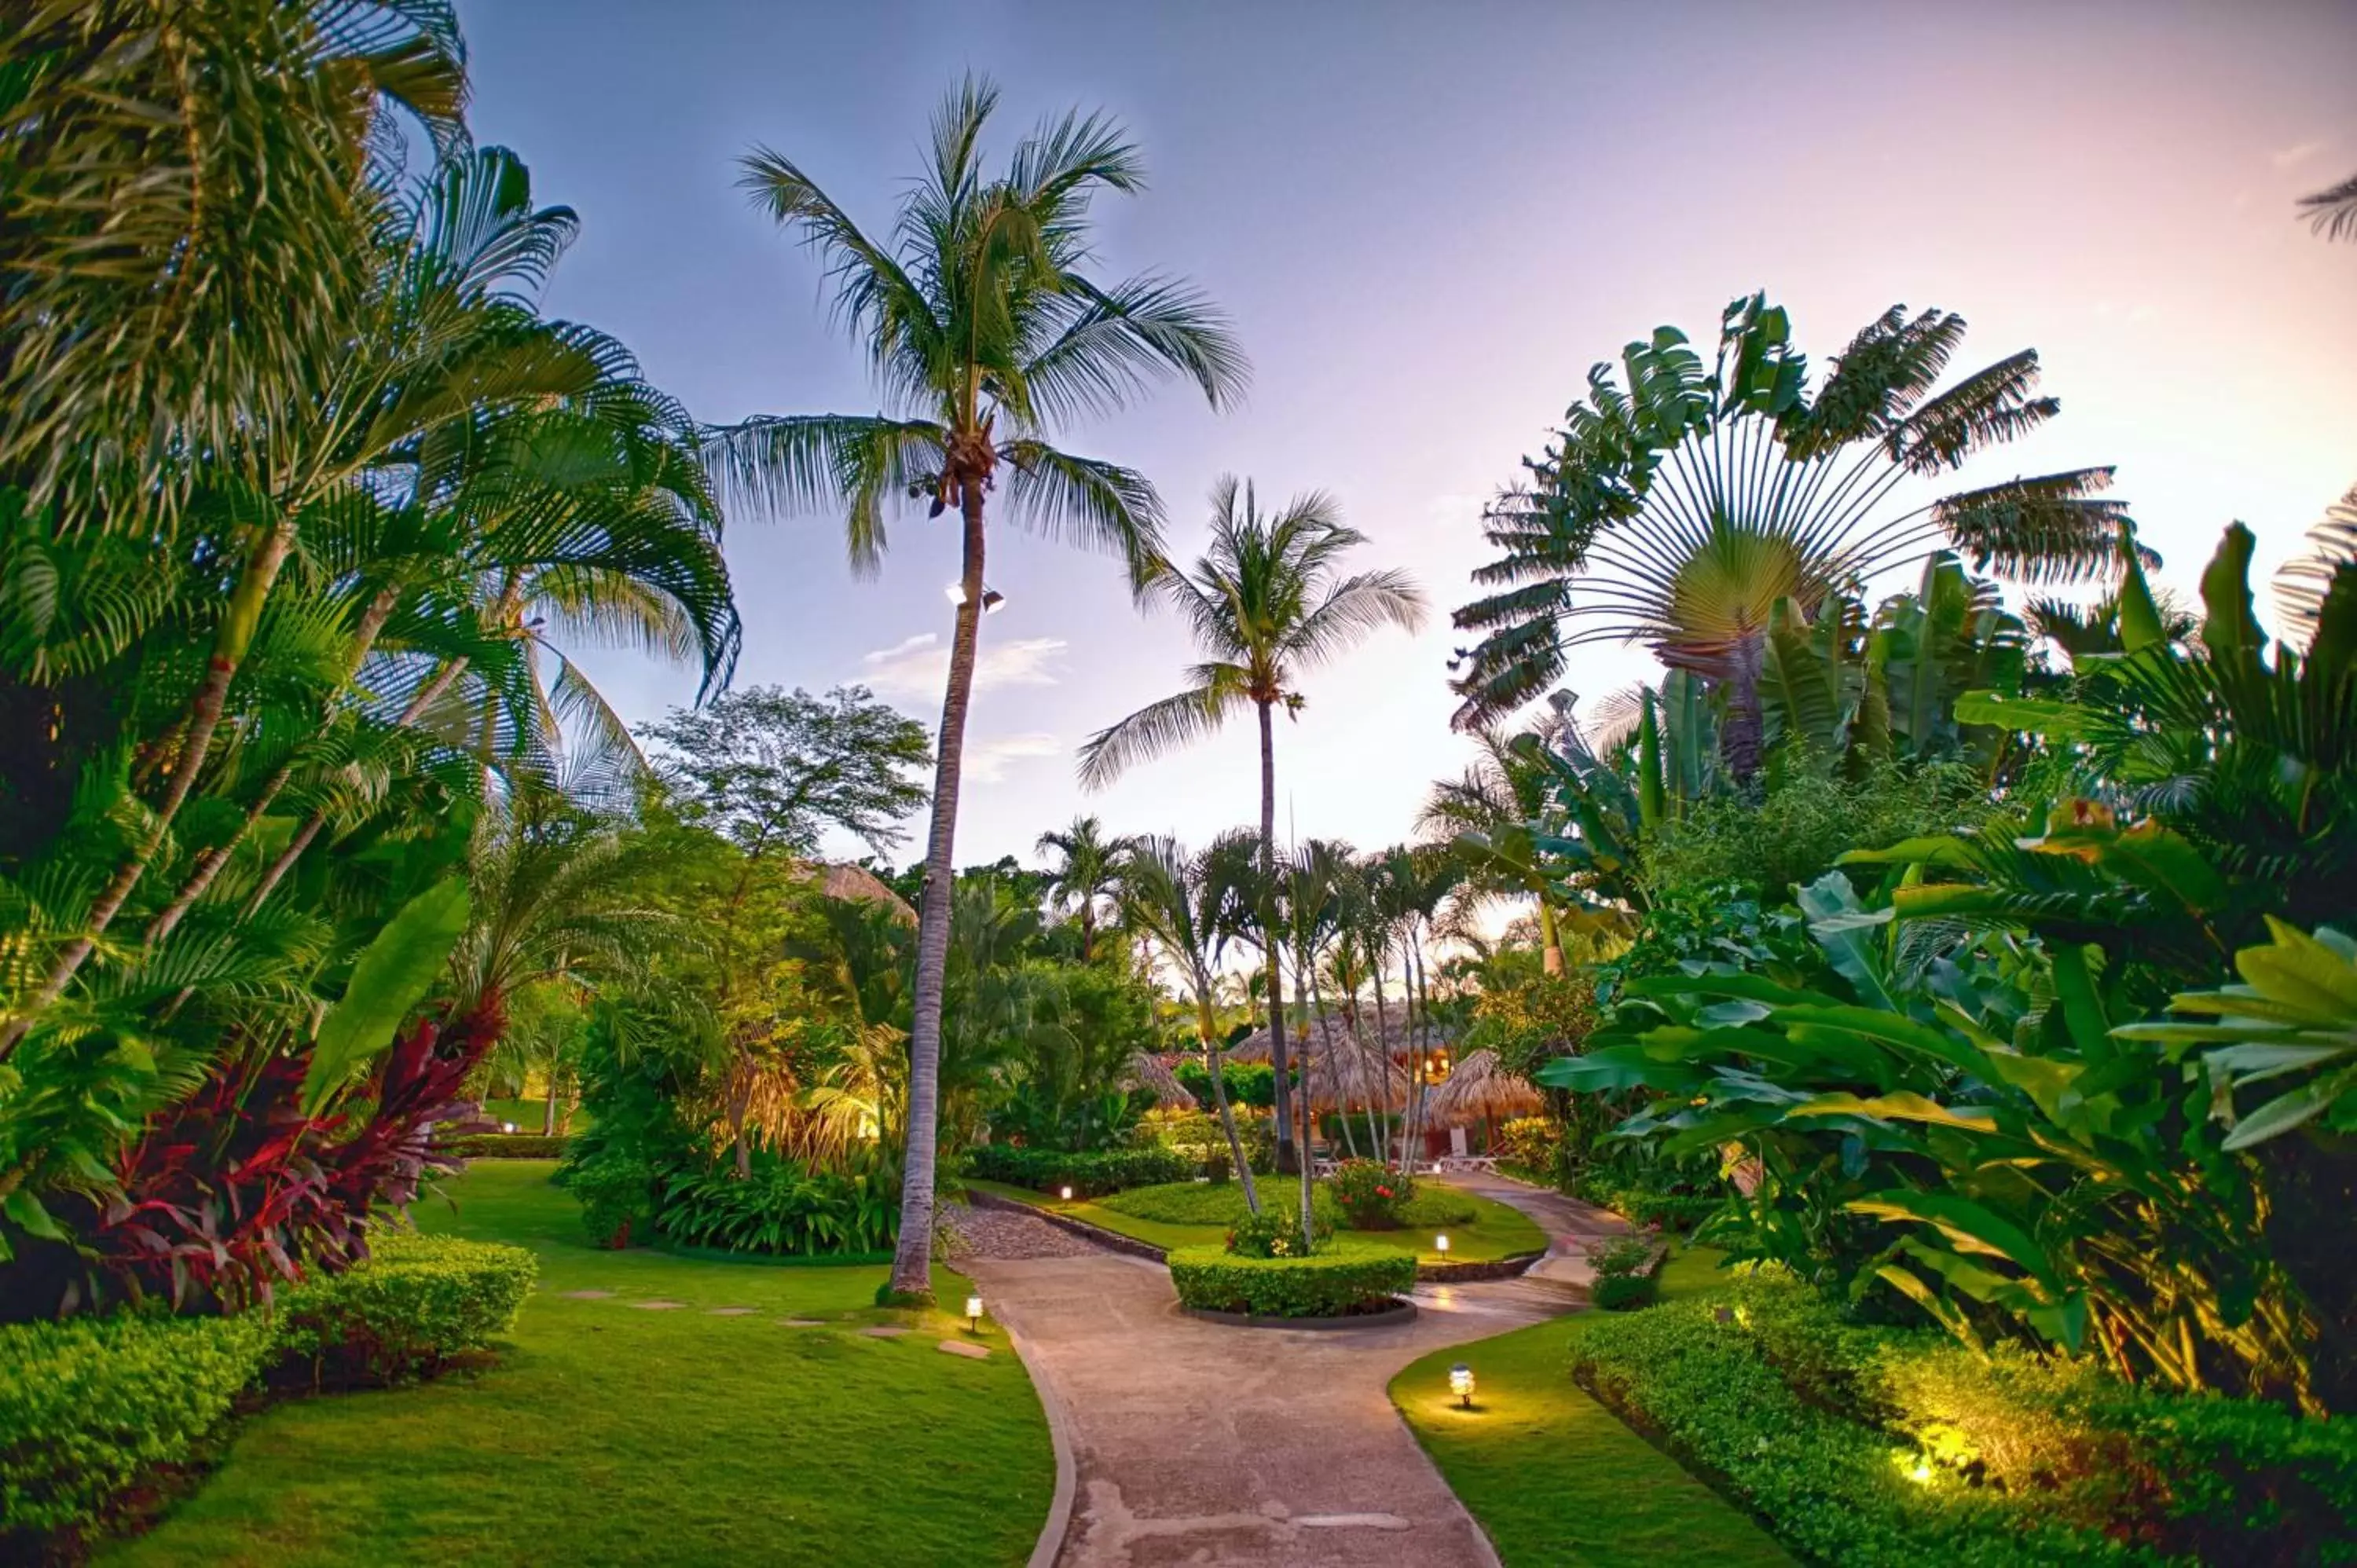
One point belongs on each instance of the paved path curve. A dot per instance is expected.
(1224, 1447)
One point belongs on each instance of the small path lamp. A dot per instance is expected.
(1440, 1245)
(1460, 1383)
(1066, 1193)
(973, 1314)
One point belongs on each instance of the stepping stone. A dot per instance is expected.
(588, 1295)
(731, 1312)
(958, 1347)
(801, 1322)
(658, 1306)
(884, 1331)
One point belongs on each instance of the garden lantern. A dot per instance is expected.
(1460, 1383)
(507, 1126)
(1440, 1245)
(973, 1314)
(1066, 1195)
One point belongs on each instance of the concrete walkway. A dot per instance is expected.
(1221, 1447)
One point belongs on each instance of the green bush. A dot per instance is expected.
(417, 1302)
(1627, 1272)
(782, 1209)
(1248, 1083)
(617, 1194)
(1371, 1193)
(1433, 1207)
(506, 1146)
(1274, 1232)
(90, 1405)
(1088, 1174)
(1341, 1279)
(1820, 1425)
(1623, 1292)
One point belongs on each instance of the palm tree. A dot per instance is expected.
(1183, 902)
(1266, 603)
(982, 330)
(1085, 875)
(1681, 511)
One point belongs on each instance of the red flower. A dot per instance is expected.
(1383, 1192)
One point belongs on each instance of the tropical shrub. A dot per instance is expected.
(782, 1209)
(1904, 1436)
(416, 1303)
(617, 1194)
(1089, 1174)
(1532, 1145)
(1808, 819)
(1273, 1233)
(90, 1405)
(1343, 1278)
(1248, 1083)
(1627, 1272)
(1371, 1193)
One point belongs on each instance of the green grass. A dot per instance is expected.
(609, 1434)
(1191, 1214)
(528, 1115)
(1555, 1478)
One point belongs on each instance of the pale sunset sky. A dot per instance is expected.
(1427, 221)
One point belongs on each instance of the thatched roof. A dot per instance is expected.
(1397, 1036)
(1480, 1089)
(857, 885)
(1347, 1077)
(1147, 1071)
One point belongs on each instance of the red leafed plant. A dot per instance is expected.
(237, 1188)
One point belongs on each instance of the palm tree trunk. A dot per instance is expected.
(548, 1110)
(1286, 1158)
(1550, 940)
(1743, 737)
(912, 1259)
(1216, 1068)
(1419, 1047)
(1384, 1059)
(1301, 1005)
(239, 621)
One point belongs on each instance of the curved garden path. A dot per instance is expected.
(1191, 1442)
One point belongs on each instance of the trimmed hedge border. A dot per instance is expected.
(506, 1146)
(659, 1242)
(1092, 1174)
(1330, 1282)
(95, 1412)
(1401, 1310)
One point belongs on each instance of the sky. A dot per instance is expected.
(1427, 221)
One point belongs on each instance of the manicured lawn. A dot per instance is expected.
(1186, 1214)
(610, 1434)
(1554, 1476)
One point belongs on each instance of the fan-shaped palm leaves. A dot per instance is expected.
(1086, 875)
(983, 329)
(1681, 510)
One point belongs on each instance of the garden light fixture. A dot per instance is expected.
(1440, 1245)
(991, 597)
(973, 1314)
(1067, 1194)
(507, 1126)
(1460, 1383)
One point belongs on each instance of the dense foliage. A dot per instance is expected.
(420, 1301)
(1089, 1172)
(1343, 1278)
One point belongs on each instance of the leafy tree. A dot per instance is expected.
(1085, 878)
(1266, 603)
(985, 330)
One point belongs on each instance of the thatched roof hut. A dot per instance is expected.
(857, 885)
(1147, 1071)
(1347, 1077)
(1398, 1037)
(1480, 1090)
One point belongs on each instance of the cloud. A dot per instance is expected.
(919, 666)
(987, 763)
(2284, 157)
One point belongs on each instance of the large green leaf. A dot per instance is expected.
(391, 976)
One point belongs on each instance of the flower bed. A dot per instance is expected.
(1344, 1279)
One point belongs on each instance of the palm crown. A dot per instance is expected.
(983, 329)
(1266, 601)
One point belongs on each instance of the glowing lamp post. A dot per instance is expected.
(973, 1314)
(1460, 1383)
(507, 1126)
(1440, 1245)
(1066, 1193)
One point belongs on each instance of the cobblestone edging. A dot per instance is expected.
(1113, 1241)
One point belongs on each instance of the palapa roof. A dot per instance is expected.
(857, 885)
(1147, 1071)
(1397, 1036)
(1479, 1089)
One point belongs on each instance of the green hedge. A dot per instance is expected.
(1343, 1278)
(506, 1146)
(1088, 1174)
(90, 1405)
(417, 1302)
(1871, 1446)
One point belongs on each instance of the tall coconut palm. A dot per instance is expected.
(1266, 602)
(983, 330)
(1681, 511)
(1085, 875)
(1186, 906)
